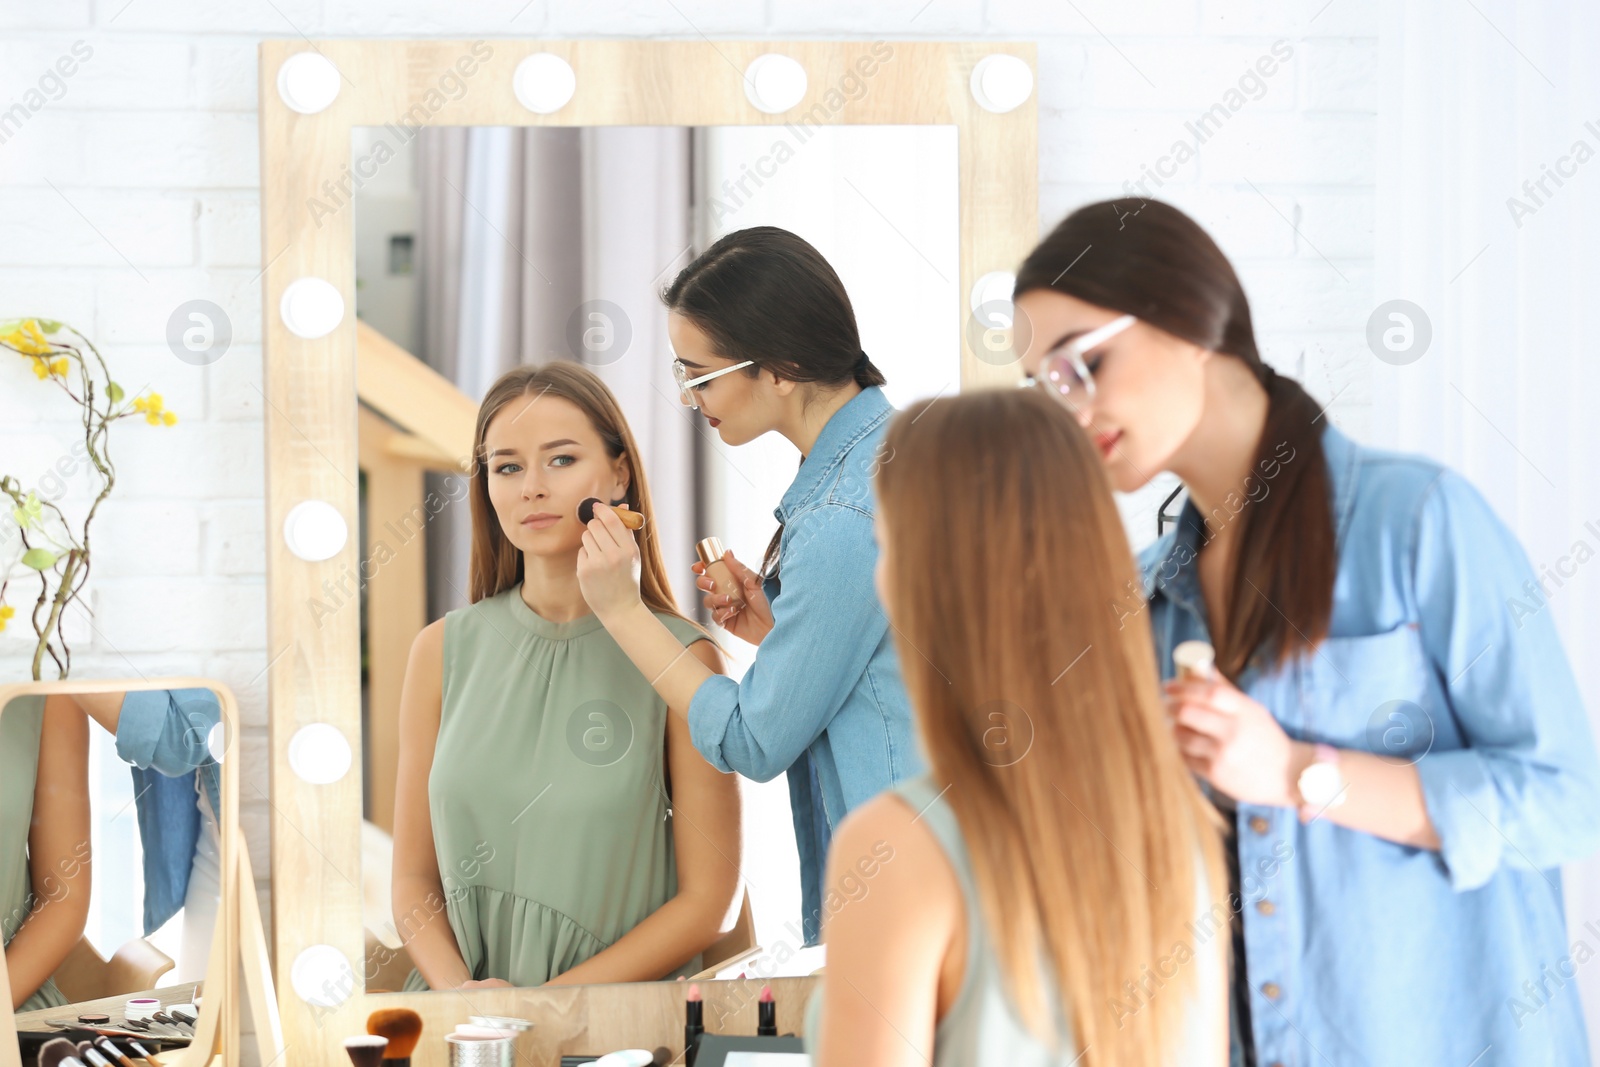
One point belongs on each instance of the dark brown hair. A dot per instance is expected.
(766, 295)
(496, 563)
(1149, 259)
(1057, 779)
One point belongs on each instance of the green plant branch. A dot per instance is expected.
(69, 563)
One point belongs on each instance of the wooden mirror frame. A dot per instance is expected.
(216, 1036)
(311, 408)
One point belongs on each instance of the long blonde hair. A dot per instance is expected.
(1037, 702)
(496, 563)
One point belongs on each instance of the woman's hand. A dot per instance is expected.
(608, 566)
(1232, 742)
(485, 983)
(750, 621)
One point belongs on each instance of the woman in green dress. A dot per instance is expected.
(44, 842)
(552, 822)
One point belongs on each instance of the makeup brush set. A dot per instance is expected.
(93, 1051)
(144, 1029)
(146, 1020)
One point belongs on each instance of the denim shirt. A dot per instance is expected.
(823, 698)
(1372, 952)
(162, 734)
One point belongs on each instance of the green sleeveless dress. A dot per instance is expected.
(20, 727)
(983, 1027)
(548, 791)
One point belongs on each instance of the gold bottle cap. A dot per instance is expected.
(709, 549)
(1194, 657)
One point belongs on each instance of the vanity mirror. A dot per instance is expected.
(436, 213)
(119, 854)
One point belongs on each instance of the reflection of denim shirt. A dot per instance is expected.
(823, 698)
(162, 733)
(1371, 952)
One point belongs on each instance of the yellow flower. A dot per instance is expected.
(6, 611)
(28, 339)
(154, 413)
(44, 368)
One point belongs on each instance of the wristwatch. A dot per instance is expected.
(1321, 784)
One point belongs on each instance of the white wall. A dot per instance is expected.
(134, 189)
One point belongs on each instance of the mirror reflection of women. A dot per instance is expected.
(1051, 892)
(44, 844)
(1406, 766)
(766, 341)
(547, 804)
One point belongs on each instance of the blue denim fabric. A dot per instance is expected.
(162, 735)
(823, 696)
(1379, 953)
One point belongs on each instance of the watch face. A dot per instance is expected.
(1322, 785)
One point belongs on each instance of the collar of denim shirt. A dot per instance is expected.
(861, 414)
(1170, 565)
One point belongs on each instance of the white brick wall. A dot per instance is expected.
(153, 154)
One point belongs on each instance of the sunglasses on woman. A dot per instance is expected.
(1064, 374)
(680, 373)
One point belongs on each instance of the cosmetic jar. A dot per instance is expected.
(479, 1051)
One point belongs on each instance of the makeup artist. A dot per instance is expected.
(766, 340)
(1406, 765)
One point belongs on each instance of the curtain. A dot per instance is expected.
(1487, 221)
(636, 237)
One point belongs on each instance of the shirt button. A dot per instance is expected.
(1258, 824)
(1271, 990)
(1265, 907)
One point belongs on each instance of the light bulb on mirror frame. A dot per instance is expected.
(1001, 83)
(315, 531)
(311, 308)
(544, 83)
(774, 83)
(308, 82)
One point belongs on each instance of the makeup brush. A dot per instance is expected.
(105, 1045)
(167, 1020)
(91, 1055)
(633, 520)
(366, 1050)
(139, 1051)
(403, 1028)
(59, 1052)
(102, 1031)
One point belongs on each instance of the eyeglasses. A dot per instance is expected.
(1065, 375)
(680, 373)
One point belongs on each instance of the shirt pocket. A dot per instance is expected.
(1370, 692)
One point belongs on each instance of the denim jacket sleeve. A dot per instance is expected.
(167, 729)
(1525, 791)
(826, 625)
